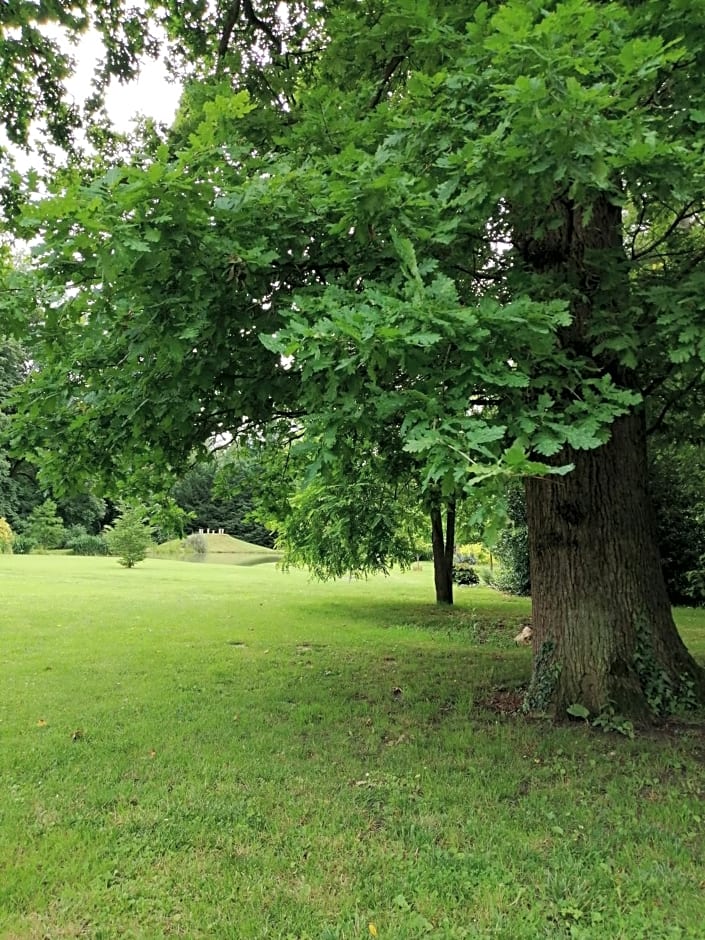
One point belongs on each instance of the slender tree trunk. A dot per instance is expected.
(443, 552)
(603, 631)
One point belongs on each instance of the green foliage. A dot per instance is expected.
(88, 545)
(371, 237)
(486, 575)
(23, 544)
(6, 537)
(512, 546)
(664, 693)
(676, 475)
(197, 544)
(609, 721)
(130, 536)
(464, 573)
(350, 528)
(40, 108)
(18, 490)
(44, 527)
(349, 517)
(544, 678)
(83, 509)
(168, 519)
(221, 495)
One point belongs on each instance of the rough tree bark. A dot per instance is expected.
(443, 552)
(603, 632)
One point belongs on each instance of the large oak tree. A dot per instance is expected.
(481, 223)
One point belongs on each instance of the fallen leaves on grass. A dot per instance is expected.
(503, 701)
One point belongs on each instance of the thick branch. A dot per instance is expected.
(685, 213)
(256, 23)
(391, 68)
(231, 17)
(674, 399)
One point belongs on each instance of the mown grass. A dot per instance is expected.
(223, 752)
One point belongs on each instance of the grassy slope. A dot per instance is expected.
(214, 752)
(232, 546)
(222, 549)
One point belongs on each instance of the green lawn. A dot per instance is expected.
(208, 751)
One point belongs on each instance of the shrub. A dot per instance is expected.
(486, 575)
(88, 545)
(474, 552)
(23, 544)
(130, 537)
(464, 573)
(424, 551)
(6, 537)
(71, 533)
(197, 543)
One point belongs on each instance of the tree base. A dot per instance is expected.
(604, 635)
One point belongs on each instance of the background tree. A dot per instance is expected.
(130, 536)
(44, 527)
(84, 510)
(220, 494)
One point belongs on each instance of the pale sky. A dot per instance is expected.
(152, 94)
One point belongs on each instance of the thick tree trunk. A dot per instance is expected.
(443, 552)
(603, 632)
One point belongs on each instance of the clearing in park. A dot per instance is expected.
(222, 751)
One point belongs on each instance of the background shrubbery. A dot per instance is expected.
(464, 573)
(197, 544)
(86, 544)
(512, 547)
(6, 537)
(677, 478)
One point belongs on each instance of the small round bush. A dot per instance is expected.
(197, 543)
(464, 573)
(88, 545)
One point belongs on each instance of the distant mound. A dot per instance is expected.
(222, 549)
(226, 544)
